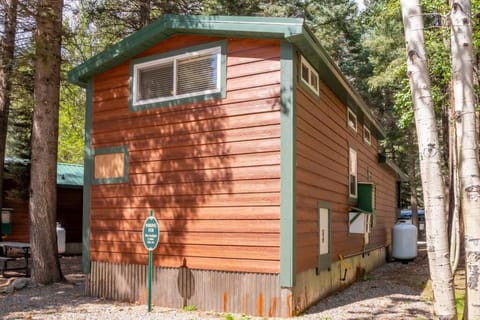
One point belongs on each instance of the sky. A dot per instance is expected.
(360, 4)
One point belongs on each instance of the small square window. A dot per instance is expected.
(351, 119)
(110, 165)
(367, 136)
(309, 76)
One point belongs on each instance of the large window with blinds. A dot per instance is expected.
(185, 75)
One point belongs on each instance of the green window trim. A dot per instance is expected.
(325, 260)
(111, 150)
(219, 93)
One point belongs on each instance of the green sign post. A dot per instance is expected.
(150, 235)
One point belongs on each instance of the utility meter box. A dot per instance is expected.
(6, 219)
(359, 222)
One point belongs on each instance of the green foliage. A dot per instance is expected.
(21, 107)
(190, 307)
(238, 7)
(229, 316)
(71, 124)
(460, 304)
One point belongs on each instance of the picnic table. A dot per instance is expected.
(6, 256)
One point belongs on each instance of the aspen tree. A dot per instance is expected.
(464, 101)
(430, 165)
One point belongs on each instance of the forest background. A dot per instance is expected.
(366, 42)
(367, 45)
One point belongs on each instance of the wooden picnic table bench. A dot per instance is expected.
(6, 246)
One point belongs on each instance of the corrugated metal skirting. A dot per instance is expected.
(250, 293)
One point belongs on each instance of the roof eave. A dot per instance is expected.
(167, 25)
(331, 74)
(293, 30)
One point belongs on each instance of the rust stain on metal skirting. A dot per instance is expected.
(225, 301)
(230, 292)
(273, 307)
(260, 305)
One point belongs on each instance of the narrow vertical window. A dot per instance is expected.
(352, 173)
(351, 120)
(367, 136)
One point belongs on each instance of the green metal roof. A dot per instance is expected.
(290, 29)
(69, 175)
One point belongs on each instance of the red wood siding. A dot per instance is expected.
(69, 214)
(323, 140)
(20, 220)
(210, 170)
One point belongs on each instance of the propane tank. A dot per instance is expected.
(404, 241)
(60, 238)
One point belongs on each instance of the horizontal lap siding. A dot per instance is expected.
(322, 174)
(69, 213)
(209, 170)
(20, 219)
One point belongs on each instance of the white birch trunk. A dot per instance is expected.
(462, 65)
(430, 168)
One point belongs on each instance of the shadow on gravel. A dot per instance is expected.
(46, 298)
(394, 290)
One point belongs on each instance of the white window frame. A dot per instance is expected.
(311, 70)
(354, 123)
(352, 171)
(140, 66)
(367, 133)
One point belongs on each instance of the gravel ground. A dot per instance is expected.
(393, 291)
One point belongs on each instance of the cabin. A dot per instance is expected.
(258, 159)
(69, 202)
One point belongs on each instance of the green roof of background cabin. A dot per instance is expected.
(292, 30)
(69, 175)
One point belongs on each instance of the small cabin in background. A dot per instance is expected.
(257, 157)
(69, 202)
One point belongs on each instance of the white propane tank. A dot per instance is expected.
(404, 242)
(60, 238)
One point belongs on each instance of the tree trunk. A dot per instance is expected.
(462, 65)
(430, 167)
(145, 12)
(454, 190)
(412, 179)
(43, 187)
(7, 48)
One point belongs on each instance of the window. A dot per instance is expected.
(110, 165)
(351, 119)
(185, 75)
(352, 174)
(367, 136)
(309, 76)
